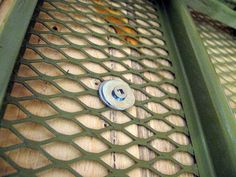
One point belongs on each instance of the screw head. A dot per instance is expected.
(116, 94)
(119, 93)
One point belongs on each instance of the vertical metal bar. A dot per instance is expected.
(196, 132)
(215, 116)
(11, 37)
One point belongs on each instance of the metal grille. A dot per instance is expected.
(220, 42)
(54, 123)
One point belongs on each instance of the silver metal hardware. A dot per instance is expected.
(116, 94)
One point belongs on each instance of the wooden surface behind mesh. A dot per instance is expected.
(28, 158)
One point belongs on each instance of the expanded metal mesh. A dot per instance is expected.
(220, 42)
(54, 123)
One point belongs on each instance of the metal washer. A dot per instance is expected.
(116, 94)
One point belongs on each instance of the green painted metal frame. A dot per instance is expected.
(197, 135)
(12, 33)
(213, 136)
(216, 9)
(216, 125)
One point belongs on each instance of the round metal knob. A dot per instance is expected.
(116, 94)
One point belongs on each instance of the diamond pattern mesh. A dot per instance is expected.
(220, 42)
(54, 124)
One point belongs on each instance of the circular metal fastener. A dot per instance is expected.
(116, 94)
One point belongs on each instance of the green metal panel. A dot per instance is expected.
(191, 109)
(154, 47)
(219, 40)
(222, 57)
(58, 19)
(207, 93)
